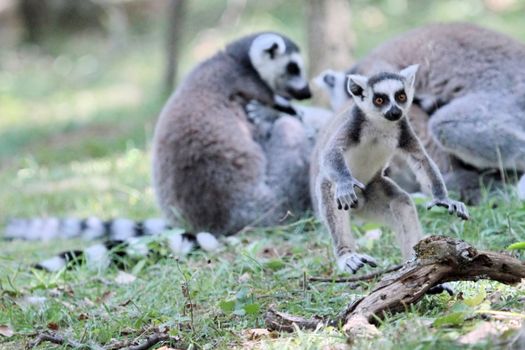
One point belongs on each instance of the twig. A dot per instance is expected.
(57, 339)
(150, 341)
(357, 278)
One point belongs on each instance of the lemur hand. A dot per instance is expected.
(352, 262)
(453, 207)
(345, 195)
(259, 113)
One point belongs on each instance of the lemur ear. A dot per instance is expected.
(326, 79)
(356, 85)
(409, 73)
(268, 46)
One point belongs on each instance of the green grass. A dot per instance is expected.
(76, 122)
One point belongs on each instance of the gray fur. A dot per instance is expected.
(471, 87)
(353, 153)
(207, 165)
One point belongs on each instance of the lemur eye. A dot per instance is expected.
(378, 101)
(293, 68)
(401, 97)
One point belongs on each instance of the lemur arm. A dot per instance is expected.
(427, 172)
(336, 169)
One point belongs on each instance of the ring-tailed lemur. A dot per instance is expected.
(123, 233)
(209, 164)
(468, 129)
(354, 151)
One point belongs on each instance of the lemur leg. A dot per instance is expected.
(398, 170)
(283, 187)
(482, 131)
(338, 222)
(389, 204)
(288, 155)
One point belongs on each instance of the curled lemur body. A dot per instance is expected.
(207, 166)
(353, 152)
(213, 164)
(468, 107)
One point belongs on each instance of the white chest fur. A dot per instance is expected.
(377, 145)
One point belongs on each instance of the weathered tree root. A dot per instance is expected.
(438, 260)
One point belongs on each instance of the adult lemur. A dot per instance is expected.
(213, 165)
(354, 151)
(469, 109)
(207, 166)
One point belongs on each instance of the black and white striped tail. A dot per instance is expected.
(45, 229)
(121, 232)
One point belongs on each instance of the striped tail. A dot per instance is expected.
(122, 233)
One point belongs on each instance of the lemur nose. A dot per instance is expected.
(393, 113)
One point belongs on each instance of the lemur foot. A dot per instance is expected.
(352, 262)
(453, 206)
(440, 288)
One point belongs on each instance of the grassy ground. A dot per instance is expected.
(76, 123)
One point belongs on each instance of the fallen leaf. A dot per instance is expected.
(53, 326)
(6, 331)
(82, 317)
(487, 329)
(124, 278)
(479, 333)
(245, 277)
(256, 333)
(104, 297)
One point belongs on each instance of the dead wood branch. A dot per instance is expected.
(438, 260)
(56, 339)
(150, 341)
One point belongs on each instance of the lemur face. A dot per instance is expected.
(384, 95)
(280, 67)
(333, 83)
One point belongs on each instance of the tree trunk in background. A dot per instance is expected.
(330, 35)
(176, 14)
(35, 18)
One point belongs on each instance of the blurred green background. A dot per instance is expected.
(79, 95)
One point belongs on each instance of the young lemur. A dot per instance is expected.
(354, 152)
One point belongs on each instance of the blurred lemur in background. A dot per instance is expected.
(214, 165)
(469, 107)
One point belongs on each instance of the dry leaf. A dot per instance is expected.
(256, 333)
(105, 297)
(124, 278)
(53, 326)
(82, 317)
(6, 331)
(245, 277)
(487, 329)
